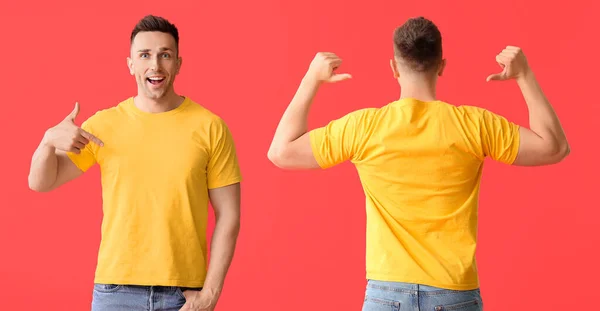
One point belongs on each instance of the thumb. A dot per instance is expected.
(495, 77)
(340, 77)
(74, 113)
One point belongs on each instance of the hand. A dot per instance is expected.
(66, 136)
(513, 63)
(203, 300)
(323, 66)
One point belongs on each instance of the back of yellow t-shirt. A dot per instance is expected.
(156, 169)
(420, 165)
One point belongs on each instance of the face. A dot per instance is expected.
(154, 63)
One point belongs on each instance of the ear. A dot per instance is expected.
(179, 62)
(394, 67)
(442, 67)
(130, 65)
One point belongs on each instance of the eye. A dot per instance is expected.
(144, 55)
(166, 55)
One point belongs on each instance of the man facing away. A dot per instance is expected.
(420, 163)
(163, 158)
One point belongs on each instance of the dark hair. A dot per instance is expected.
(155, 23)
(418, 43)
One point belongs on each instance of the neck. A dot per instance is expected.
(419, 87)
(165, 103)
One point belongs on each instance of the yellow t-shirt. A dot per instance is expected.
(420, 166)
(156, 169)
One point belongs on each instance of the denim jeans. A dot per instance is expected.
(394, 296)
(108, 297)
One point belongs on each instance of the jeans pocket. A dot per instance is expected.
(471, 305)
(179, 292)
(380, 304)
(107, 288)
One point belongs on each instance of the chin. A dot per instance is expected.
(155, 95)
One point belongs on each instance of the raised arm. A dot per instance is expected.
(545, 142)
(291, 145)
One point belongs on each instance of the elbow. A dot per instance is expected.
(283, 159)
(277, 157)
(564, 150)
(559, 152)
(36, 186)
(230, 225)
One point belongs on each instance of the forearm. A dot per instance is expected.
(543, 121)
(221, 251)
(44, 168)
(294, 122)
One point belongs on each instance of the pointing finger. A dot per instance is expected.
(92, 138)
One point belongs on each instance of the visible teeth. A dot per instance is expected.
(155, 79)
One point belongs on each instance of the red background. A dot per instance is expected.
(302, 240)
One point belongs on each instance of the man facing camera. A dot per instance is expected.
(163, 158)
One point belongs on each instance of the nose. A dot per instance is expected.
(154, 63)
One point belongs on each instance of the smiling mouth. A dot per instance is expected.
(155, 80)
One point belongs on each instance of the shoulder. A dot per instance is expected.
(206, 121)
(360, 116)
(198, 111)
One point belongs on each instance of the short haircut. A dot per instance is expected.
(418, 44)
(155, 23)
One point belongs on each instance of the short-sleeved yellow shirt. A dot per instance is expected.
(420, 165)
(156, 170)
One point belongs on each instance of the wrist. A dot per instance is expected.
(212, 289)
(310, 80)
(212, 286)
(526, 77)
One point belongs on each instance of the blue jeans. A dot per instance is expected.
(108, 297)
(393, 296)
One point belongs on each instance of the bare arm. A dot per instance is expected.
(290, 147)
(50, 166)
(226, 204)
(545, 142)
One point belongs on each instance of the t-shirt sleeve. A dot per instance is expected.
(499, 137)
(87, 157)
(340, 140)
(223, 167)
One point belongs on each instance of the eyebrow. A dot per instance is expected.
(148, 50)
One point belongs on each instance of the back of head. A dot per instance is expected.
(418, 45)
